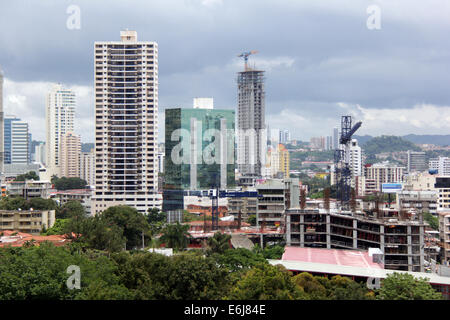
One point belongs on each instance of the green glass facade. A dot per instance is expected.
(199, 152)
(180, 152)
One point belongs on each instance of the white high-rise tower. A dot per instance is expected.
(126, 113)
(60, 114)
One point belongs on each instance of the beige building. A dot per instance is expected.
(59, 117)
(379, 173)
(29, 221)
(444, 233)
(70, 155)
(126, 112)
(87, 167)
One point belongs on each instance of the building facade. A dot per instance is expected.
(126, 112)
(401, 241)
(416, 162)
(60, 113)
(70, 155)
(441, 165)
(199, 152)
(87, 167)
(29, 221)
(251, 135)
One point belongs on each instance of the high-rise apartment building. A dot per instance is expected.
(20, 145)
(60, 113)
(87, 167)
(416, 161)
(1, 123)
(383, 172)
(126, 112)
(335, 138)
(7, 136)
(39, 153)
(441, 165)
(355, 161)
(251, 135)
(70, 155)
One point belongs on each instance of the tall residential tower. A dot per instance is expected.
(60, 113)
(251, 135)
(126, 113)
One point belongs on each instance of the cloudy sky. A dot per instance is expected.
(321, 59)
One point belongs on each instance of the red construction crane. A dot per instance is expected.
(245, 56)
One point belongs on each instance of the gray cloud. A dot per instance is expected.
(316, 54)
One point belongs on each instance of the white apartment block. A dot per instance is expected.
(87, 167)
(380, 173)
(355, 161)
(203, 103)
(441, 164)
(70, 155)
(60, 113)
(126, 112)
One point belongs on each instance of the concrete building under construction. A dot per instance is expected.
(399, 237)
(251, 143)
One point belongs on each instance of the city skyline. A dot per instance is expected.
(392, 79)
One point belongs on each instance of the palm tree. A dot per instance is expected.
(176, 236)
(219, 242)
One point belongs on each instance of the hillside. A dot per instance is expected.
(388, 144)
(440, 140)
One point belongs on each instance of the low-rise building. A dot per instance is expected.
(29, 189)
(421, 201)
(29, 221)
(400, 238)
(82, 195)
(444, 233)
(275, 196)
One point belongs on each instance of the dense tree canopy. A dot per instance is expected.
(404, 286)
(31, 175)
(64, 183)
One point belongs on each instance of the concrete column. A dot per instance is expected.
(422, 247)
(288, 229)
(355, 234)
(382, 240)
(328, 232)
(409, 240)
(302, 230)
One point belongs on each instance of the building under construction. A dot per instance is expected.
(251, 135)
(399, 236)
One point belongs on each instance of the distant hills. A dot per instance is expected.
(388, 144)
(440, 140)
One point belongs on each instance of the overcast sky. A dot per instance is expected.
(321, 59)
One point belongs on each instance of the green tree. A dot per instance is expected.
(58, 228)
(176, 236)
(267, 282)
(39, 272)
(31, 175)
(71, 208)
(239, 259)
(432, 220)
(65, 183)
(133, 223)
(184, 276)
(218, 243)
(404, 286)
(311, 286)
(252, 220)
(270, 252)
(156, 220)
(344, 288)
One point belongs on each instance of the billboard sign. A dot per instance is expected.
(391, 187)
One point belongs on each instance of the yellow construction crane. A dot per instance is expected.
(245, 56)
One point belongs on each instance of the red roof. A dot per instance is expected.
(17, 239)
(351, 258)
